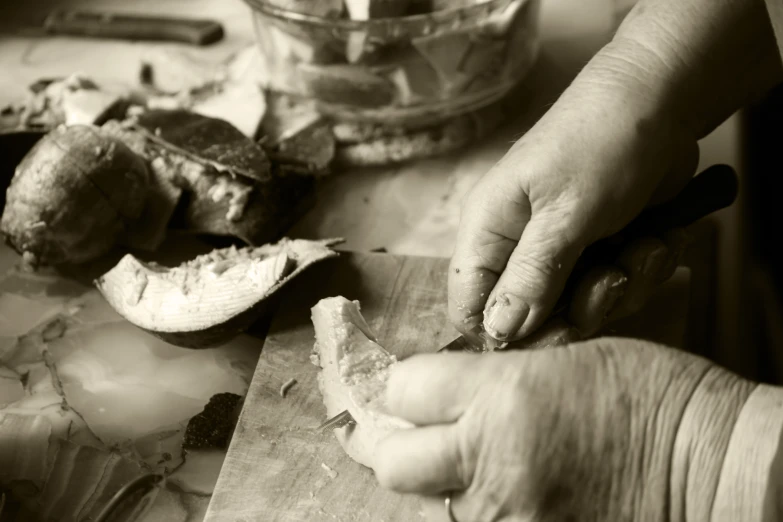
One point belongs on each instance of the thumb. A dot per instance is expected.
(533, 278)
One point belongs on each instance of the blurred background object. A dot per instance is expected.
(762, 283)
(425, 65)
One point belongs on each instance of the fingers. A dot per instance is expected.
(595, 297)
(610, 292)
(434, 388)
(533, 279)
(425, 460)
(469, 284)
(555, 332)
(491, 223)
(510, 266)
(642, 261)
(677, 241)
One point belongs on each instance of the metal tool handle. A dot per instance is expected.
(133, 27)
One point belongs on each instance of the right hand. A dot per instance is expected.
(602, 153)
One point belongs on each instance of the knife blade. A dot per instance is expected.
(460, 344)
(126, 26)
(475, 340)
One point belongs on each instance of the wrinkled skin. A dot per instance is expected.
(622, 136)
(582, 432)
(585, 170)
(606, 430)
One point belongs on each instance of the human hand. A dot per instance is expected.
(610, 429)
(601, 154)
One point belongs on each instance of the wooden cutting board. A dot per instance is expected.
(278, 468)
(274, 470)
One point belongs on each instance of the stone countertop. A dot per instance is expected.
(71, 369)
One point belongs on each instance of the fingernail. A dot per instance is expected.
(677, 241)
(614, 294)
(655, 261)
(504, 316)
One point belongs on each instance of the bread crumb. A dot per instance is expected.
(329, 471)
(287, 385)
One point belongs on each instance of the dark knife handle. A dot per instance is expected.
(133, 27)
(712, 190)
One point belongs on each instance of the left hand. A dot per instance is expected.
(606, 430)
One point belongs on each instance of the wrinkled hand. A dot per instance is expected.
(586, 169)
(610, 429)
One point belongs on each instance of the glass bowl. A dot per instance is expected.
(411, 69)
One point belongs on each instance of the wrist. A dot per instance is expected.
(622, 82)
(750, 487)
(697, 61)
(702, 443)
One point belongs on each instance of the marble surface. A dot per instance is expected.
(69, 362)
(71, 369)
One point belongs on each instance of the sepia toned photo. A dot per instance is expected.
(391, 261)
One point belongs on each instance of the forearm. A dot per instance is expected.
(693, 61)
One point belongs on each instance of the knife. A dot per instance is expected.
(126, 26)
(712, 190)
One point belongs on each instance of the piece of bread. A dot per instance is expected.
(354, 372)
